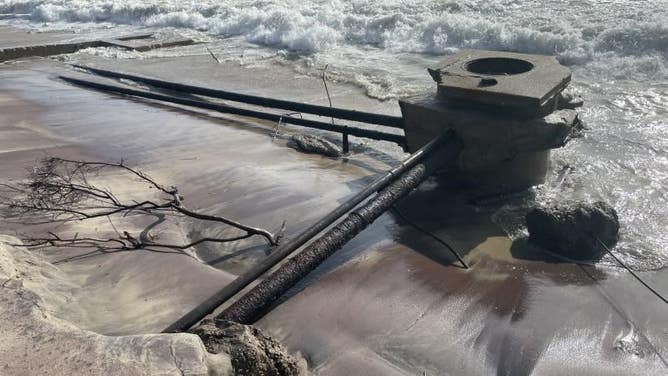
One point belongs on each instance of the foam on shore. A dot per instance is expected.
(39, 341)
(600, 32)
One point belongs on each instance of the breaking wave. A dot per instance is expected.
(423, 26)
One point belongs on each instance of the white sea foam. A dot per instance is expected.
(632, 39)
(627, 41)
(423, 26)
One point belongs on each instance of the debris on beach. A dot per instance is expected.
(569, 99)
(574, 229)
(251, 351)
(314, 144)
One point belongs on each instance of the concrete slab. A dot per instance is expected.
(427, 116)
(14, 37)
(149, 42)
(43, 50)
(23, 44)
(520, 83)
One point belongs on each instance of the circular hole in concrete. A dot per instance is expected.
(498, 66)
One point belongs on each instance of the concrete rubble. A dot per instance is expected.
(314, 144)
(574, 229)
(251, 351)
(135, 42)
(569, 99)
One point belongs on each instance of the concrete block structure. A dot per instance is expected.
(504, 107)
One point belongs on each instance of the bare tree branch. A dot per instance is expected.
(65, 190)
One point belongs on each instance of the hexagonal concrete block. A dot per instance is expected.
(513, 82)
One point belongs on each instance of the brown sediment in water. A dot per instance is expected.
(393, 301)
(392, 307)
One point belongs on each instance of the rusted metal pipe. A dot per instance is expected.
(358, 132)
(288, 246)
(339, 113)
(254, 304)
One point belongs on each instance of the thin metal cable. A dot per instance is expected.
(609, 299)
(650, 288)
(430, 234)
(637, 277)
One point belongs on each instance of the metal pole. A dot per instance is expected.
(358, 132)
(254, 304)
(290, 245)
(340, 113)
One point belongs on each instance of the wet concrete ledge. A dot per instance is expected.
(137, 42)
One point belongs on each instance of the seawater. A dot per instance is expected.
(617, 50)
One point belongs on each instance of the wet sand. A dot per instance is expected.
(212, 162)
(405, 307)
(393, 301)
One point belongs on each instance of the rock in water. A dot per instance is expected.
(572, 228)
(313, 144)
(251, 352)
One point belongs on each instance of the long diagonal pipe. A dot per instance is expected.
(448, 148)
(255, 303)
(353, 131)
(339, 113)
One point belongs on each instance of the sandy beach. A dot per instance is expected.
(392, 301)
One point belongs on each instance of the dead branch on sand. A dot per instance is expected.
(63, 190)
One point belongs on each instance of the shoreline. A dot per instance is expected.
(389, 302)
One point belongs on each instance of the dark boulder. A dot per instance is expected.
(573, 229)
(251, 352)
(313, 144)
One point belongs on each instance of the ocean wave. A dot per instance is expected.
(595, 39)
(428, 27)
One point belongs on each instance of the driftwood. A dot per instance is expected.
(62, 190)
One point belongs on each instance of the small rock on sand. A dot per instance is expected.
(574, 228)
(251, 352)
(313, 144)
